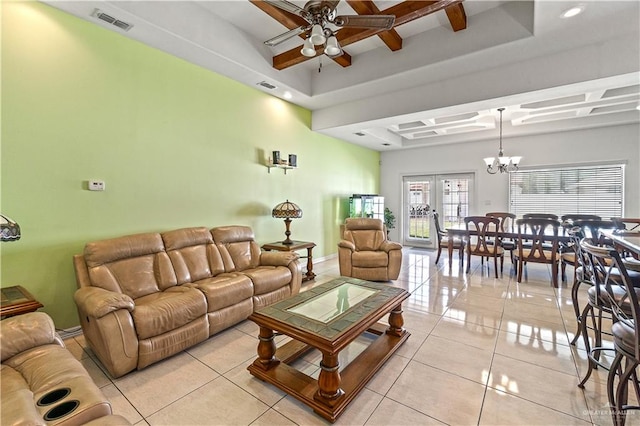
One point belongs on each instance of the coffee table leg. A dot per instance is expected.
(396, 321)
(329, 378)
(266, 350)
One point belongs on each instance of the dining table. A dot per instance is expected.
(627, 240)
(459, 230)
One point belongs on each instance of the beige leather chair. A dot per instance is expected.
(365, 253)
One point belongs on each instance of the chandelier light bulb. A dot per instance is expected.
(317, 35)
(332, 48)
(307, 49)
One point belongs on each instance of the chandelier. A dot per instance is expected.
(501, 164)
(321, 36)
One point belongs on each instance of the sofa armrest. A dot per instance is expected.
(23, 332)
(98, 302)
(277, 258)
(390, 245)
(347, 244)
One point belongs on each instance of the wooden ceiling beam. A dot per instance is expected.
(366, 7)
(457, 16)
(405, 12)
(291, 21)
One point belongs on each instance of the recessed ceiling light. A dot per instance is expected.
(573, 11)
(287, 95)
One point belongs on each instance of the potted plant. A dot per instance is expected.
(389, 220)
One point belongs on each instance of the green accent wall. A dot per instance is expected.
(177, 146)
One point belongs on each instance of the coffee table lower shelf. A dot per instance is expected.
(353, 377)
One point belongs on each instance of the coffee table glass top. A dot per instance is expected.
(326, 306)
(331, 308)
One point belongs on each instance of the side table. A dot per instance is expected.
(296, 245)
(16, 300)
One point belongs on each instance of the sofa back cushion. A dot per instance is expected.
(135, 265)
(193, 254)
(237, 246)
(366, 234)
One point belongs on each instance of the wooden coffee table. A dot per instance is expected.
(328, 318)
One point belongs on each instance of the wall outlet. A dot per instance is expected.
(96, 185)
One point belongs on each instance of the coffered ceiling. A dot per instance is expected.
(437, 77)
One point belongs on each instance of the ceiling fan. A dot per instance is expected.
(319, 14)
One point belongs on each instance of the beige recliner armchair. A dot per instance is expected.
(365, 253)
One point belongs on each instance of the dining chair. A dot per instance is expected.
(550, 216)
(589, 223)
(622, 298)
(537, 243)
(507, 220)
(443, 239)
(479, 229)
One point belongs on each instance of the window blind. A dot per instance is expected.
(569, 190)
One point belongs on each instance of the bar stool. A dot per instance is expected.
(623, 302)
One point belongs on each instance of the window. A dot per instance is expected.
(595, 189)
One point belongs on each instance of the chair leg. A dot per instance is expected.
(438, 255)
(576, 309)
(495, 264)
(621, 391)
(583, 325)
(468, 261)
(614, 371)
(554, 272)
(520, 268)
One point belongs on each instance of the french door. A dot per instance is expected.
(448, 194)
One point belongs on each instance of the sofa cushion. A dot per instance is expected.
(135, 265)
(163, 311)
(225, 290)
(193, 254)
(369, 259)
(237, 246)
(268, 278)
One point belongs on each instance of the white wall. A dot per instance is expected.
(605, 144)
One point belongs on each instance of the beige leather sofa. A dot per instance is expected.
(145, 297)
(365, 253)
(41, 383)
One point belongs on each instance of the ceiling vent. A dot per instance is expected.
(111, 20)
(359, 134)
(267, 85)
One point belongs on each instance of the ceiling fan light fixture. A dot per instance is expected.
(317, 35)
(332, 48)
(307, 49)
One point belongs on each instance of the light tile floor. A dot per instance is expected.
(482, 351)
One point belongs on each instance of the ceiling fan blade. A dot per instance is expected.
(365, 21)
(285, 36)
(287, 6)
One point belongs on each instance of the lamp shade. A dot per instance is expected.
(287, 210)
(9, 230)
(317, 35)
(307, 49)
(332, 48)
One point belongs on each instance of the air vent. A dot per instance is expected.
(267, 85)
(359, 134)
(111, 20)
